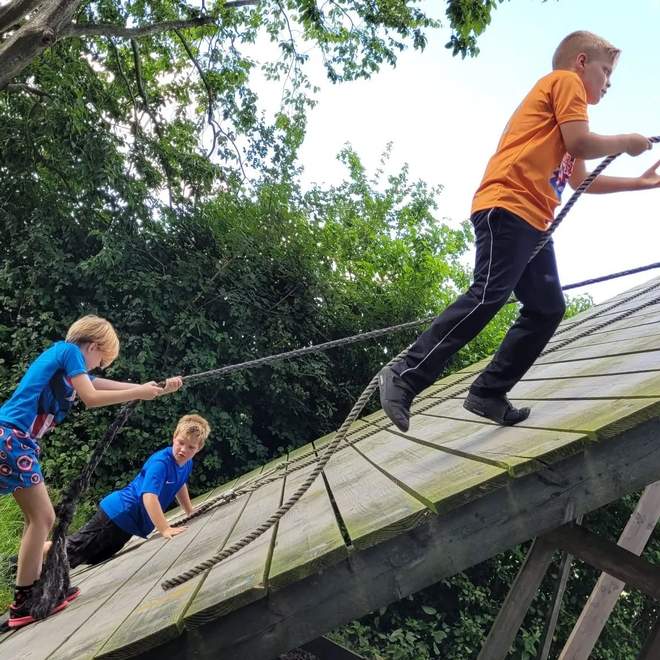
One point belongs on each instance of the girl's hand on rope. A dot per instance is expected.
(172, 385)
(148, 391)
(171, 532)
(651, 178)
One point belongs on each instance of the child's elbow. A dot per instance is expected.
(91, 401)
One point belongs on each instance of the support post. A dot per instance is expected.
(518, 600)
(609, 557)
(605, 594)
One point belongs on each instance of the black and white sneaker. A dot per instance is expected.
(395, 398)
(498, 409)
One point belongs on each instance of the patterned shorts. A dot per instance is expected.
(19, 460)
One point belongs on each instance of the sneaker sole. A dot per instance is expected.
(19, 622)
(481, 413)
(73, 596)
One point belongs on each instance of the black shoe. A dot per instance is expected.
(395, 398)
(498, 409)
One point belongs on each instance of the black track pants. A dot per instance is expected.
(504, 245)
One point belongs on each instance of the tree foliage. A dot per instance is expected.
(242, 274)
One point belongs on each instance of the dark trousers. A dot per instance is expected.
(504, 245)
(97, 540)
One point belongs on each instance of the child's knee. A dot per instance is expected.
(43, 519)
(558, 310)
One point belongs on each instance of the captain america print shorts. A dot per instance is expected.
(19, 460)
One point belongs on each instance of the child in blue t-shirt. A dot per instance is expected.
(43, 398)
(136, 509)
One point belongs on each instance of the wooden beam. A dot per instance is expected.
(608, 557)
(553, 616)
(438, 547)
(520, 596)
(605, 594)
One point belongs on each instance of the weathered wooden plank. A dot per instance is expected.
(596, 419)
(552, 617)
(576, 352)
(610, 341)
(637, 384)
(308, 537)
(239, 579)
(42, 639)
(641, 320)
(520, 596)
(605, 594)
(595, 315)
(438, 547)
(608, 557)
(79, 577)
(148, 616)
(598, 366)
(372, 506)
(438, 479)
(158, 616)
(491, 454)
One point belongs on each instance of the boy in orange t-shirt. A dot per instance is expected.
(543, 146)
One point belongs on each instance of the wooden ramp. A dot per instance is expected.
(393, 513)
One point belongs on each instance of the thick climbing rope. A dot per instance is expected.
(611, 276)
(55, 578)
(322, 461)
(369, 390)
(583, 187)
(54, 581)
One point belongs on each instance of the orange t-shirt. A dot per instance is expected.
(531, 166)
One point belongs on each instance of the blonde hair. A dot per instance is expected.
(94, 329)
(582, 42)
(193, 427)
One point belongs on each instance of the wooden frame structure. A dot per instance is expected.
(393, 513)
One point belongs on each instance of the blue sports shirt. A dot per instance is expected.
(45, 394)
(160, 475)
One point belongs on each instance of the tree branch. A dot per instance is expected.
(12, 13)
(159, 131)
(21, 87)
(113, 30)
(31, 39)
(209, 92)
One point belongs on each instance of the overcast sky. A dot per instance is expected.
(445, 115)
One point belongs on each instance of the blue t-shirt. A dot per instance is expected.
(45, 394)
(160, 475)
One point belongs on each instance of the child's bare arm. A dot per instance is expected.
(155, 512)
(171, 384)
(93, 397)
(183, 498)
(106, 384)
(609, 184)
(582, 143)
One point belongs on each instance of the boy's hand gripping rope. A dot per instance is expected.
(578, 191)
